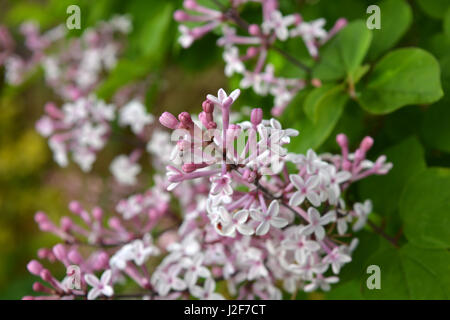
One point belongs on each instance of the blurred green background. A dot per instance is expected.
(179, 81)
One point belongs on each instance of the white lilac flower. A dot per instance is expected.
(207, 291)
(140, 251)
(91, 135)
(321, 282)
(256, 81)
(336, 258)
(268, 218)
(124, 170)
(76, 111)
(362, 211)
(301, 246)
(222, 96)
(310, 32)
(186, 39)
(221, 184)
(229, 223)
(59, 152)
(279, 24)
(194, 269)
(84, 157)
(311, 161)
(233, 63)
(316, 223)
(99, 287)
(334, 179)
(130, 207)
(45, 126)
(164, 281)
(134, 115)
(306, 190)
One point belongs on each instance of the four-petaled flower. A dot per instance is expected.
(279, 24)
(268, 218)
(229, 223)
(305, 190)
(207, 292)
(336, 258)
(321, 282)
(362, 211)
(316, 223)
(194, 268)
(101, 286)
(222, 97)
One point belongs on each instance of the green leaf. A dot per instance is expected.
(425, 208)
(385, 190)
(434, 8)
(350, 290)
(342, 56)
(435, 130)
(402, 77)
(125, 72)
(396, 18)
(410, 273)
(153, 37)
(318, 97)
(447, 23)
(312, 135)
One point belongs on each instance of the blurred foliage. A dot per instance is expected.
(396, 76)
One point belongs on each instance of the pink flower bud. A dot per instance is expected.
(75, 257)
(342, 140)
(212, 125)
(316, 83)
(256, 116)
(75, 207)
(115, 223)
(53, 111)
(34, 267)
(167, 238)
(60, 252)
(190, 4)
(341, 23)
(180, 16)
(97, 213)
(208, 106)
(252, 51)
(66, 223)
(366, 144)
(102, 260)
(186, 120)
(39, 287)
(254, 30)
(40, 217)
(168, 120)
(46, 275)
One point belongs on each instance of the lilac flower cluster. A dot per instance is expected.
(245, 217)
(256, 41)
(73, 68)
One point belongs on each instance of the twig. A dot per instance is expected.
(233, 15)
(381, 232)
